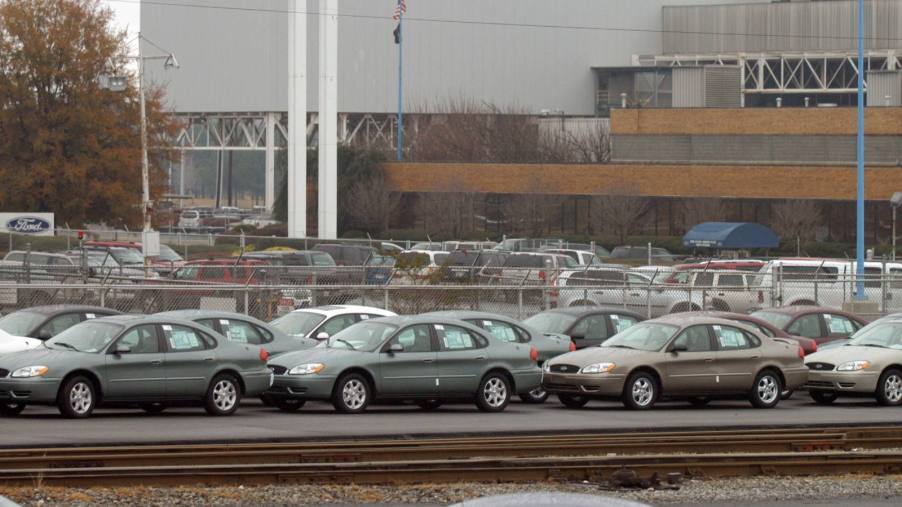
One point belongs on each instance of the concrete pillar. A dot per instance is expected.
(297, 120)
(327, 205)
(269, 196)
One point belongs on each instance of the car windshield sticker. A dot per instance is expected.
(90, 316)
(364, 316)
(167, 327)
(487, 323)
(182, 339)
(440, 327)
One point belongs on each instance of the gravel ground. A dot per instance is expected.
(758, 489)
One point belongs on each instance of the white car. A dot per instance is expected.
(10, 343)
(322, 322)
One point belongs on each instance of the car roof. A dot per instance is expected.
(57, 309)
(208, 314)
(330, 310)
(579, 311)
(803, 309)
(689, 319)
(470, 314)
(133, 318)
(426, 318)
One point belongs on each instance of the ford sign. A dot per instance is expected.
(28, 225)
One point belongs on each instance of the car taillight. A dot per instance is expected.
(801, 352)
(542, 275)
(286, 302)
(572, 346)
(534, 354)
(814, 344)
(264, 355)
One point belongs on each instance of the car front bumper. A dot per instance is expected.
(306, 387)
(843, 381)
(602, 385)
(39, 391)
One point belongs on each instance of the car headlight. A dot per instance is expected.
(546, 366)
(307, 369)
(598, 368)
(30, 371)
(854, 366)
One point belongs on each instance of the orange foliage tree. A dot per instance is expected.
(66, 145)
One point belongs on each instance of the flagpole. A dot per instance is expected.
(400, 85)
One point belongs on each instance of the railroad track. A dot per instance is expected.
(819, 450)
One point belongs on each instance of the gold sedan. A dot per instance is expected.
(679, 357)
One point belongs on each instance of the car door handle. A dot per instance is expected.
(209, 359)
(428, 360)
(480, 358)
(709, 360)
(156, 363)
(755, 357)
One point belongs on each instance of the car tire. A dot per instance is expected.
(823, 397)
(352, 394)
(535, 397)
(494, 393)
(889, 388)
(288, 404)
(640, 391)
(77, 398)
(429, 404)
(11, 409)
(572, 400)
(766, 391)
(699, 402)
(787, 394)
(153, 408)
(223, 396)
(267, 401)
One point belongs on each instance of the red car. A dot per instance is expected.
(816, 322)
(808, 345)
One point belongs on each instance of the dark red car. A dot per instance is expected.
(808, 344)
(816, 322)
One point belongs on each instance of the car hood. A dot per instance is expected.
(37, 356)
(594, 355)
(846, 353)
(315, 355)
(10, 343)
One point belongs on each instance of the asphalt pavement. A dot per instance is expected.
(43, 426)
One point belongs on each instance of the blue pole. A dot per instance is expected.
(400, 87)
(859, 226)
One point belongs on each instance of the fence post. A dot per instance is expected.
(385, 297)
(247, 310)
(520, 303)
(816, 272)
(313, 293)
(102, 297)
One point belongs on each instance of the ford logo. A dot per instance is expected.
(28, 225)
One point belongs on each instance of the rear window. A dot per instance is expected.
(462, 258)
(441, 258)
(413, 259)
(580, 278)
(567, 262)
(524, 261)
(809, 273)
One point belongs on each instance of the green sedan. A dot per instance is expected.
(128, 360)
(427, 359)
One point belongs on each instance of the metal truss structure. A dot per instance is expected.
(790, 73)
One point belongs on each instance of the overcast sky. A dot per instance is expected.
(128, 14)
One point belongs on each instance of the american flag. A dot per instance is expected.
(400, 9)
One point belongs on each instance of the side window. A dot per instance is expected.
(240, 331)
(731, 338)
(761, 329)
(704, 280)
(696, 339)
(208, 323)
(623, 322)
(501, 330)
(59, 324)
(20, 257)
(336, 324)
(593, 327)
(141, 340)
(635, 279)
(837, 325)
(183, 339)
(455, 338)
(414, 339)
(896, 277)
(729, 281)
(808, 326)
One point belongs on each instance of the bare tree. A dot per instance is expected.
(588, 143)
(370, 205)
(797, 219)
(698, 210)
(620, 213)
(447, 215)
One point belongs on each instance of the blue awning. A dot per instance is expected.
(731, 236)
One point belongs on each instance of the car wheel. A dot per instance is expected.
(889, 388)
(766, 390)
(77, 398)
(223, 396)
(640, 391)
(351, 394)
(289, 404)
(429, 404)
(494, 393)
(699, 402)
(11, 409)
(823, 398)
(572, 401)
(153, 408)
(536, 396)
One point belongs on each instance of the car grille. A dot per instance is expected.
(561, 387)
(564, 368)
(3, 373)
(820, 366)
(818, 383)
(278, 370)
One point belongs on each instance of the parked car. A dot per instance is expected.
(681, 357)
(818, 323)
(28, 329)
(379, 269)
(130, 360)
(658, 255)
(298, 266)
(603, 287)
(323, 322)
(809, 346)
(190, 219)
(450, 246)
(414, 265)
(868, 365)
(241, 328)
(425, 359)
(535, 269)
(428, 246)
(586, 326)
(510, 330)
(581, 257)
(165, 263)
(350, 259)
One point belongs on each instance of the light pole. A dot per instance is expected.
(895, 201)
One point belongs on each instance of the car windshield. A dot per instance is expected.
(322, 259)
(167, 254)
(380, 260)
(20, 323)
(650, 337)
(86, 337)
(887, 335)
(363, 336)
(567, 262)
(126, 256)
(778, 320)
(551, 322)
(298, 323)
(101, 260)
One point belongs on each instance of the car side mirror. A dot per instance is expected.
(577, 337)
(322, 336)
(396, 347)
(679, 348)
(121, 349)
(44, 334)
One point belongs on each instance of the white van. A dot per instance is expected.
(828, 282)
